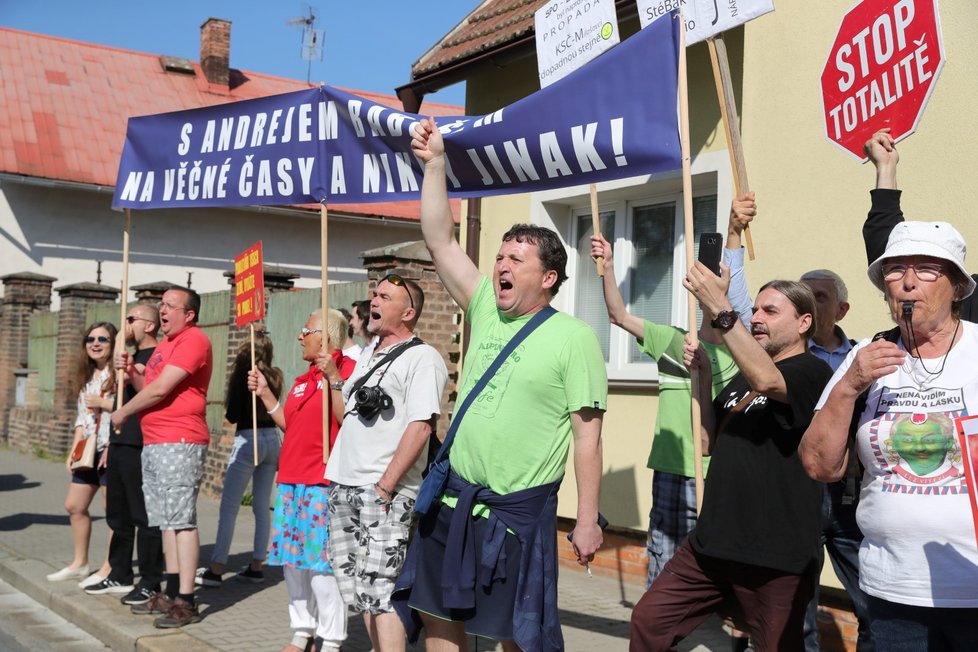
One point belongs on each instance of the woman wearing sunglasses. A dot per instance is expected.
(96, 397)
(300, 533)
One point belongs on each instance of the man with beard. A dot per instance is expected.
(756, 538)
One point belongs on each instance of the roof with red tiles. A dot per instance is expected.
(493, 24)
(64, 106)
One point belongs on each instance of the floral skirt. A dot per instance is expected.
(300, 529)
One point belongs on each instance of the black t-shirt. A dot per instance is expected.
(238, 409)
(132, 434)
(759, 505)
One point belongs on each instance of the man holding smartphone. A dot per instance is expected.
(673, 512)
(755, 539)
(840, 534)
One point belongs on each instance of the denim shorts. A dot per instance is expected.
(94, 477)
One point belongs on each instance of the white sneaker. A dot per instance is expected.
(91, 580)
(68, 573)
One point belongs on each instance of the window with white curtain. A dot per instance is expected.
(650, 261)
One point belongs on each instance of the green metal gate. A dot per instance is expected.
(287, 313)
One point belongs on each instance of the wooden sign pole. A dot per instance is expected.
(120, 374)
(323, 212)
(731, 122)
(596, 226)
(695, 418)
(254, 398)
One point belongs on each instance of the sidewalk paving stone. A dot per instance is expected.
(35, 540)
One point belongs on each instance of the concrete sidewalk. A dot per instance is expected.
(35, 540)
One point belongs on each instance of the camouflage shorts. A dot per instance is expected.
(367, 544)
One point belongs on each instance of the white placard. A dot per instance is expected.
(705, 18)
(572, 32)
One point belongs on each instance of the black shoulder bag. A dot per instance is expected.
(434, 483)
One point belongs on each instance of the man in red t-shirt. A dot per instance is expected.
(171, 402)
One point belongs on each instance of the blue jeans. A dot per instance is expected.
(241, 469)
(906, 628)
(842, 538)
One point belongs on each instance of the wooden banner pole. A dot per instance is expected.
(731, 122)
(254, 399)
(325, 334)
(120, 375)
(683, 89)
(596, 226)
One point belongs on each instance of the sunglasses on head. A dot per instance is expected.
(101, 339)
(399, 281)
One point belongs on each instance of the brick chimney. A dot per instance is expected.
(215, 50)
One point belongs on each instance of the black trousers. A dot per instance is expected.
(125, 511)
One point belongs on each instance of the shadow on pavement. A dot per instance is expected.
(607, 626)
(16, 482)
(24, 520)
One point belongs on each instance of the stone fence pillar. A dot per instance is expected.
(24, 294)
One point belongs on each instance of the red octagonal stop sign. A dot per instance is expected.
(881, 70)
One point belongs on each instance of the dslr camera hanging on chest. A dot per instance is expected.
(371, 400)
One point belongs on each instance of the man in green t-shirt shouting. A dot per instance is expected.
(511, 446)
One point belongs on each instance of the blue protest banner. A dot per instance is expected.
(614, 118)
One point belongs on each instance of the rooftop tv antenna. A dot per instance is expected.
(312, 39)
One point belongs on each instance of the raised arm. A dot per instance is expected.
(885, 212)
(617, 313)
(758, 368)
(743, 209)
(458, 273)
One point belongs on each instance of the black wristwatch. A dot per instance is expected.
(724, 320)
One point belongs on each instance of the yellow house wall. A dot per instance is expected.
(812, 196)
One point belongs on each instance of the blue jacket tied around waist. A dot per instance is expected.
(532, 515)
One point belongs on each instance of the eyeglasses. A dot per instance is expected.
(309, 331)
(399, 281)
(130, 319)
(928, 272)
(170, 306)
(101, 339)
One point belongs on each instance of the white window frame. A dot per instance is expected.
(560, 210)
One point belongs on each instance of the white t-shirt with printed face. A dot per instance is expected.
(914, 509)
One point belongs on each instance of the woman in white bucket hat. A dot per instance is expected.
(899, 394)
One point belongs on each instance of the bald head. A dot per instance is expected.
(142, 325)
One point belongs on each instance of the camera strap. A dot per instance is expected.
(516, 340)
(387, 359)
